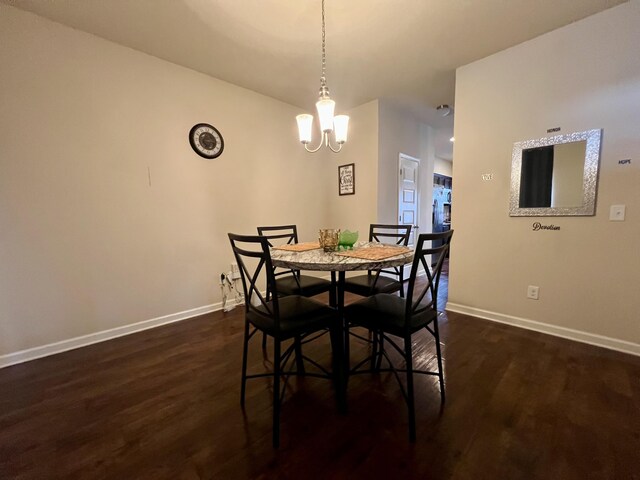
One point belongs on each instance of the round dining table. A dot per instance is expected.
(364, 256)
(338, 261)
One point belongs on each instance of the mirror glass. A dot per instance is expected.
(555, 176)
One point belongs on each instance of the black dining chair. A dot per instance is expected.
(292, 282)
(390, 316)
(282, 318)
(373, 282)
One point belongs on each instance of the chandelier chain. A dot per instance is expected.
(323, 79)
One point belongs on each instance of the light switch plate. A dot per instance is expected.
(616, 213)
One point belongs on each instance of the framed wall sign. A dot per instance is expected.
(347, 179)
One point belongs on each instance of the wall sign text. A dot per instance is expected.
(537, 226)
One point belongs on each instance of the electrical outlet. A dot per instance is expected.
(532, 292)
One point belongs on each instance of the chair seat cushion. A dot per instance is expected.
(387, 313)
(298, 315)
(309, 286)
(364, 285)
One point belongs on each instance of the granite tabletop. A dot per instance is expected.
(318, 259)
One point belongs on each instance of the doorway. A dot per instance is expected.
(409, 194)
(442, 201)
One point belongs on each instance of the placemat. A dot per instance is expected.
(298, 247)
(375, 253)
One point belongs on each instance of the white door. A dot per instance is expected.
(409, 194)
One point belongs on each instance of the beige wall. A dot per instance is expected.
(86, 243)
(583, 76)
(400, 133)
(443, 167)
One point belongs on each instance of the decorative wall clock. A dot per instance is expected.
(206, 140)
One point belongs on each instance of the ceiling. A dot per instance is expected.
(402, 50)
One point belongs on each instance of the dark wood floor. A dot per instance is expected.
(163, 404)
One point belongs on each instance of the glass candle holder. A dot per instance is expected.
(328, 238)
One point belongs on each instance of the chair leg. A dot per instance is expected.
(439, 354)
(245, 351)
(374, 348)
(410, 399)
(347, 353)
(380, 350)
(276, 393)
(264, 335)
(299, 359)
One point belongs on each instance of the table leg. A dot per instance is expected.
(344, 332)
(337, 342)
(333, 301)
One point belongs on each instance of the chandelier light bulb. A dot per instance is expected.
(305, 124)
(326, 107)
(341, 125)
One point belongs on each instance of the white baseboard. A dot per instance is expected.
(569, 333)
(84, 340)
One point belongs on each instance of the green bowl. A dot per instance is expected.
(347, 239)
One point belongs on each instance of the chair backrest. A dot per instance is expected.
(399, 234)
(415, 303)
(254, 260)
(281, 235)
(288, 234)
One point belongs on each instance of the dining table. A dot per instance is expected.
(369, 256)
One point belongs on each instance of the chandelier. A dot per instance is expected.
(325, 106)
